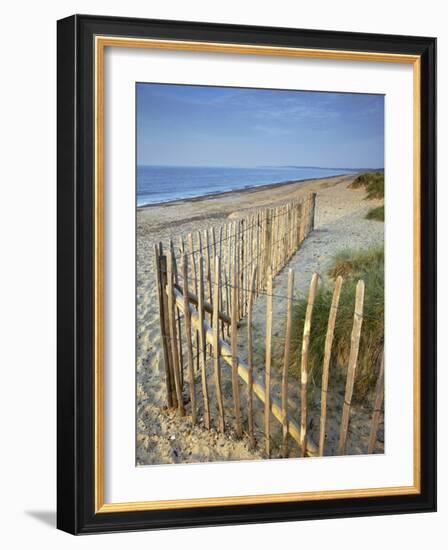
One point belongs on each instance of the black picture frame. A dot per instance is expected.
(76, 261)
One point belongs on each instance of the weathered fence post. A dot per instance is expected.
(160, 292)
(179, 326)
(250, 381)
(208, 270)
(326, 363)
(251, 258)
(208, 276)
(213, 242)
(221, 294)
(188, 336)
(195, 289)
(267, 398)
(379, 396)
(312, 211)
(203, 343)
(300, 224)
(181, 246)
(241, 266)
(164, 281)
(173, 335)
(267, 246)
(216, 347)
(228, 270)
(286, 359)
(234, 343)
(228, 305)
(304, 365)
(352, 363)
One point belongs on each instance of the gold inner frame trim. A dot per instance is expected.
(101, 42)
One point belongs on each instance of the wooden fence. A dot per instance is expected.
(204, 291)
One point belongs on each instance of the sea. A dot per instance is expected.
(160, 184)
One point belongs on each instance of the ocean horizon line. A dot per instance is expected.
(261, 166)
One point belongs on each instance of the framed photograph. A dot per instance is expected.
(246, 274)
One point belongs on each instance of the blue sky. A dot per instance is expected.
(213, 126)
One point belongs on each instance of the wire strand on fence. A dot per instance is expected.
(245, 230)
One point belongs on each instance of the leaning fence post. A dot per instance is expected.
(179, 324)
(250, 381)
(174, 336)
(162, 313)
(203, 343)
(216, 347)
(187, 317)
(195, 289)
(286, 362)
(326, 363)
(379, 396)
(304, 365)
(267, 398)
(352, 363)
(164, 281)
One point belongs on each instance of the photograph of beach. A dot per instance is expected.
(259, 274)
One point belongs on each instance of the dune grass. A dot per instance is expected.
(352, 266)
(356, 263)
(376, 214)
(373, 183)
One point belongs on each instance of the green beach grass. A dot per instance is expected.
(352, 265)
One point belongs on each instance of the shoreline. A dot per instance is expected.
(185, 215)
(243, 190)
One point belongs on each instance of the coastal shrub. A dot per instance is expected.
(352, 266)
(376, 214)
(373, 183)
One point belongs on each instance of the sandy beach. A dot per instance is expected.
(163, 437)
